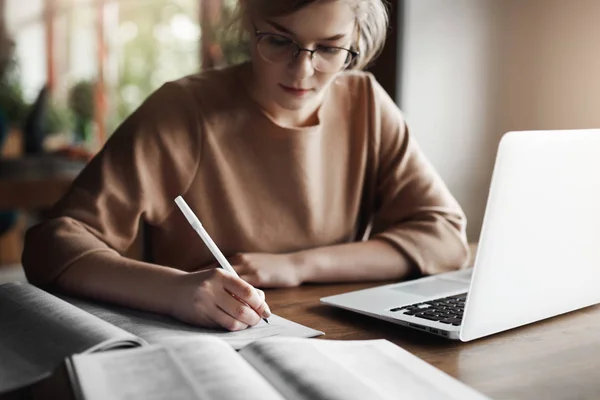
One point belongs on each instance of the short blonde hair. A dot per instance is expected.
(371, 22)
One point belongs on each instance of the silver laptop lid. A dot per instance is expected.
(539, 250)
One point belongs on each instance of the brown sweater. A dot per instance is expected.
(255, 185)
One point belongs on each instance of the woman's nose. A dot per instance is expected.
(302, 65)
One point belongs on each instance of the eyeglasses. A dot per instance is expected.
(277, 49)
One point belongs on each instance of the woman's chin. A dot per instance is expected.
(296, 103)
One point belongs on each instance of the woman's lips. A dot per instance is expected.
(295, 91)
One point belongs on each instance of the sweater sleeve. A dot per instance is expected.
(150, 159)
(414, 210)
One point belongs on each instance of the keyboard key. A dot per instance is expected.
(448, 310)
(451, 321)
(429, 317)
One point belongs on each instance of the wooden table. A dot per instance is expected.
(558, 358)
(552, 359)
(35, 182)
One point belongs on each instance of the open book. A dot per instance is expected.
(269, 369)
(39, 330)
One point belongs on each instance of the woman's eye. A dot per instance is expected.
(329, 50)
(279, 41)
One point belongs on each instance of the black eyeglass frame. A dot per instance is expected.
(261, 34)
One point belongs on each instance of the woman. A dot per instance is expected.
(299, 166)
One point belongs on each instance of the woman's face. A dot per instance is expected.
(294, 84)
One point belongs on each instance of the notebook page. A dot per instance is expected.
(159, 329)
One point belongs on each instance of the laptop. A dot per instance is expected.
(539, 248)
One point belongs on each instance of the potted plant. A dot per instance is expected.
(81, 103)
(13, 107)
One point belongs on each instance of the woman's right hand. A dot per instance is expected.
(217, 298)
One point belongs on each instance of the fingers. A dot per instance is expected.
(247, 294)
(238, 309)
(243, 267)
(225, 320)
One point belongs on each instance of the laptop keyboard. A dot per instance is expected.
(447, 310)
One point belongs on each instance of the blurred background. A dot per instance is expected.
(464, 72)
(72, 70)
(100, 59)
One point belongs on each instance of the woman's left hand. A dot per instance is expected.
(267, 270)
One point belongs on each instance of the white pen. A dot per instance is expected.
(195, 223)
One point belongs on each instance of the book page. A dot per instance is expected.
(159, 329)
(205, 368)
(221, 372)
(38, 330)
(149, 372)
(375, 369)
